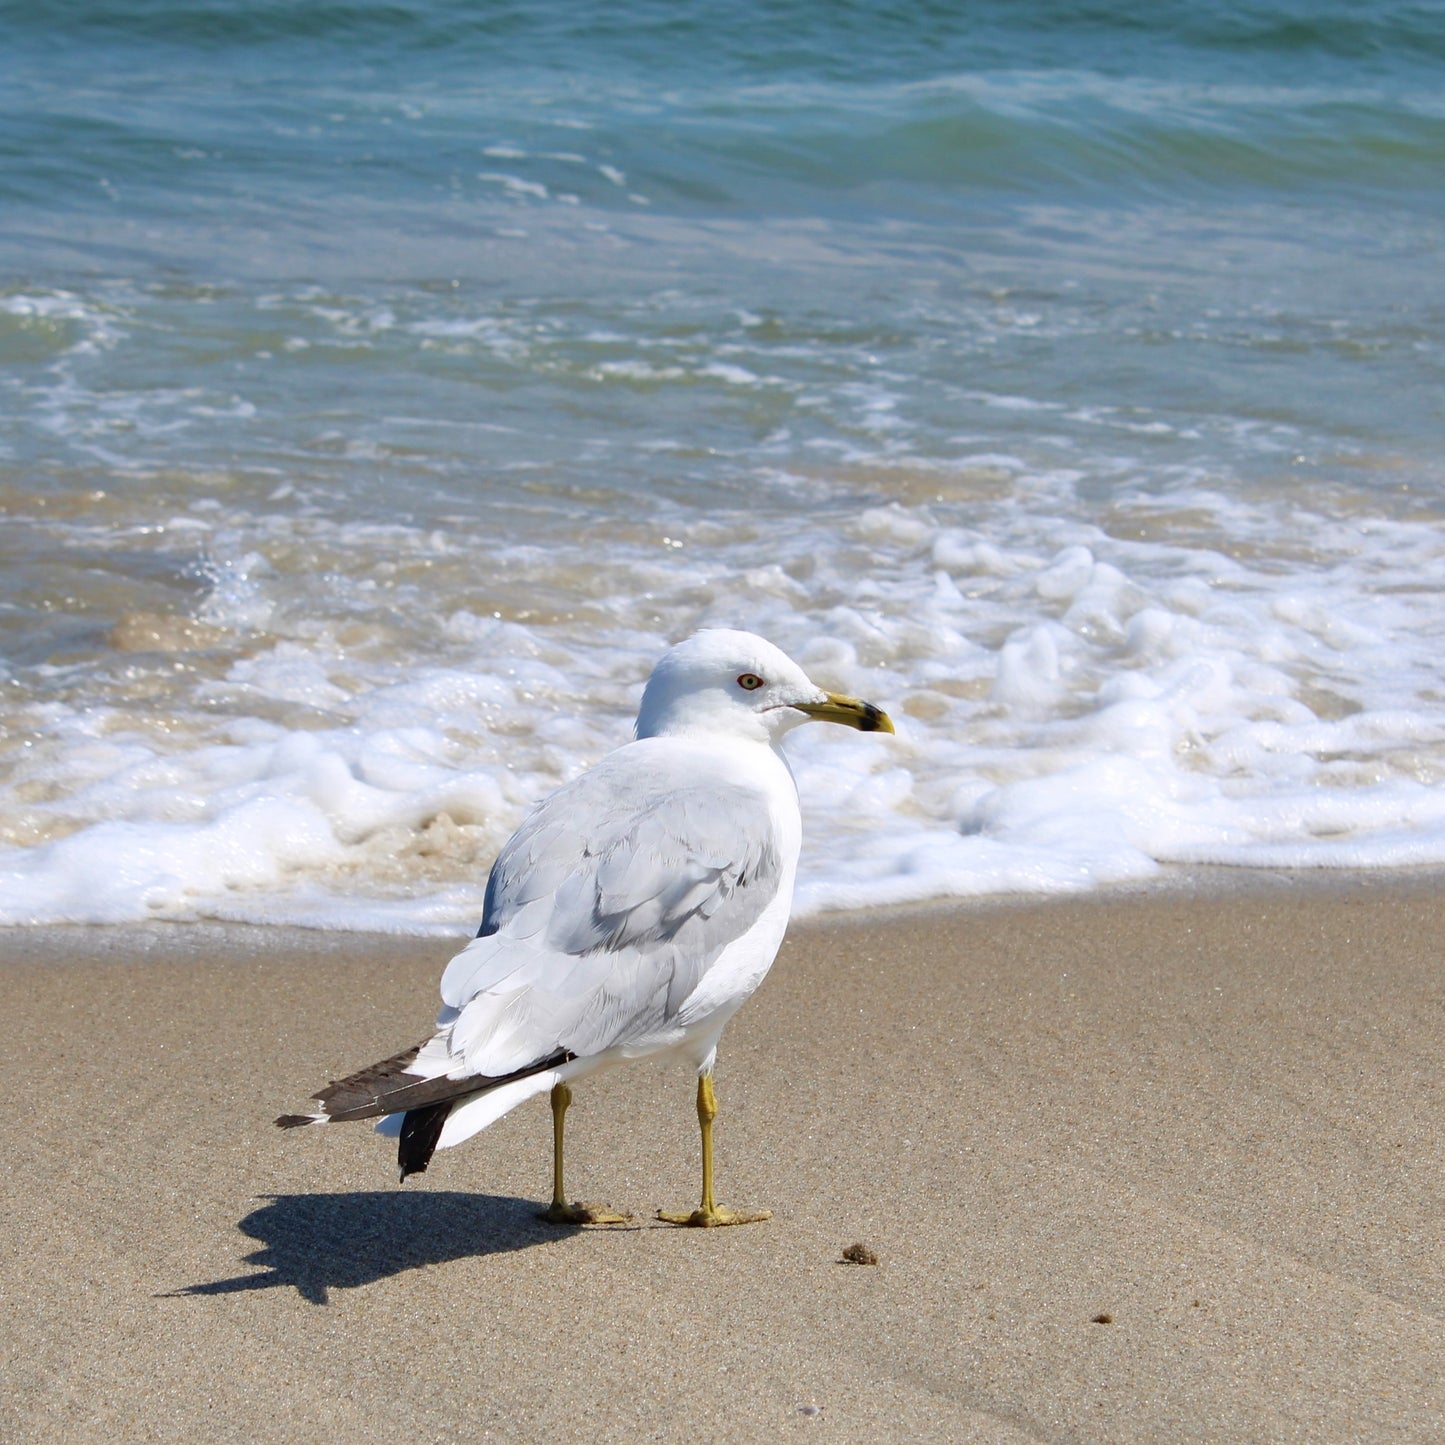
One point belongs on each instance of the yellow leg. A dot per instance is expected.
(559, 1211)
(708, 1215)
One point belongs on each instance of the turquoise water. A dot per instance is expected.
(349, 347)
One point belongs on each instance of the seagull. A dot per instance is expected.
(632, 913)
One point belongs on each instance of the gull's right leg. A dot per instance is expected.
(709, 1214)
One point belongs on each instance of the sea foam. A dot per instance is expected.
(1074, 708)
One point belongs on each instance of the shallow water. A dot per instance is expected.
(386, 386)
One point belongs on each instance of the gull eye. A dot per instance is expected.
(750, 682)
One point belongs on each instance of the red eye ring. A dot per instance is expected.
(750, 682)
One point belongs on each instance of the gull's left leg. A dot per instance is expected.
(559, 1211)
(708, 1215)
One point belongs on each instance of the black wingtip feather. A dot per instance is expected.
(294, 1121)
(420, 1130)
(360, 1094)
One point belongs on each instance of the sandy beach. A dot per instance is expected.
(1145, 1167)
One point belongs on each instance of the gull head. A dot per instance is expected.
(738, 685)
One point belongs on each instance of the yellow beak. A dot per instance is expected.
(849, 711)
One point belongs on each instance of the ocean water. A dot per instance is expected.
(385, 385)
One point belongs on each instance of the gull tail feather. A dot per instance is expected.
(471, 1115)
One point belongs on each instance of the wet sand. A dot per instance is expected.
(1147, 1167)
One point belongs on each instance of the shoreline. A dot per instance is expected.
(1138, 1167)
(193, 940)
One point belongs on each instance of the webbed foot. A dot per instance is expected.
(713, 1218)
(583, 1213)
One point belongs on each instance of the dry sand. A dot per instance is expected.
(1159, 1167)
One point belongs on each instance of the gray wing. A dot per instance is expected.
(605, 909)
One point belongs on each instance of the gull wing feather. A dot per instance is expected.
(605, 910)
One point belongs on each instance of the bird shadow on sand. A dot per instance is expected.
(319, 1242)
